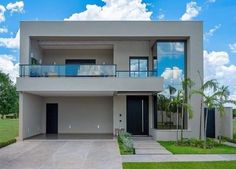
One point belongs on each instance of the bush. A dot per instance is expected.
(234, 113)
(229, 140)
(211, 143)
(126, 142)
(6, 143)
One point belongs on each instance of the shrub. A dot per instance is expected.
(6, 143)
(211, 143)
(229, 140)
(126, 142)
(234, 113)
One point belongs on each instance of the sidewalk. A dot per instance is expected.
(178, 158)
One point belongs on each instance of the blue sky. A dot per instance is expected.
(221, 12)
(219, 17)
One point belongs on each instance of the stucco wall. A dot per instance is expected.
(119, 112)
(58, 56)
(224, 123)
(35, 51)
(31, 107)
(125, 49)
(82, 114)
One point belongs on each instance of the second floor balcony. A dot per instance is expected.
(85, 79)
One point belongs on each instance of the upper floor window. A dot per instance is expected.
(138, 66)
(169, 62)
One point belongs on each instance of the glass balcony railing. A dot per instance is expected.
(80, 71)
(67, 70)
(139, 74)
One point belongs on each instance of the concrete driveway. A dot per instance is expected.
(79, 154)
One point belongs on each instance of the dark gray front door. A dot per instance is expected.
(137, 115)
(52, 118)
(210, 123)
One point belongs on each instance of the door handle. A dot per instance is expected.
(142, 117)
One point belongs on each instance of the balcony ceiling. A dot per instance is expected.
(69, 93)
(73, 45)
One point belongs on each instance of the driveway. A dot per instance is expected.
(79, 154)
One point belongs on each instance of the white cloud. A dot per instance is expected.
(217, 66)
(2, 11)
(17, 7)
(12, 43)
(179, 47)
(171, 49)
(173, 76)
(3, 30)
(211, 1)
(114, 10)
(211, 32)
(233, 47)
(192, 10)
(161, 15)
(174, 73)
(216, 58)
(7, 66)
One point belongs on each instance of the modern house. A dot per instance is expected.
(100, 77)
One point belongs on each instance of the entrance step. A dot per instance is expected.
(141, 138)
(148, 146)
(151, 151)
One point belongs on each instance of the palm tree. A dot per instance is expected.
(209, 92)
(175, 103)
(178, 101)
(161, 105)
(187, 84)
(201, 108)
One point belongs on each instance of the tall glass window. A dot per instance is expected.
(138, 66)
(169, 63)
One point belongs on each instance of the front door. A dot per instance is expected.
(137, 115)
(210, 123)
(52, 118)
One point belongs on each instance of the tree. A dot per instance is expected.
(234, 113)
(8, 96)
(209, 92)
(179, 100)
(201, 108)
(175, 102)
(187, 84)
(162, 106)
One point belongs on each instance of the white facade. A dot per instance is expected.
(98, 104)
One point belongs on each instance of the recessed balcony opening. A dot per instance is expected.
(69, 59)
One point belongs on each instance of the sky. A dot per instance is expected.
(218, 16)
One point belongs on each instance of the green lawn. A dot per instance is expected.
(222, 149)
(8, 129)
(182, 165)
(234, 129)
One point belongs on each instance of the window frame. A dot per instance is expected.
(155, 56)
(139, 58)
